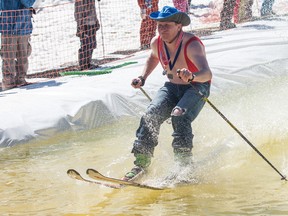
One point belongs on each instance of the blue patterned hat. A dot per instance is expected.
(171, 14)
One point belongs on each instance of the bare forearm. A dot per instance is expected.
(203, 75)
(150, 65)
(200, 76)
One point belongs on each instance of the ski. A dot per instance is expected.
(75, 175)
(94, 174)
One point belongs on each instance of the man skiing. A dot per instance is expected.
(182, 56)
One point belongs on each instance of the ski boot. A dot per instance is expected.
(142, 161)
(183, 157)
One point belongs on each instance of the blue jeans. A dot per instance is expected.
(169, 97)
(266, 8)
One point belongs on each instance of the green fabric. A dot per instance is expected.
(142, 160)
(104, 70)
(130, 175)
(87, 73)
(121, 65)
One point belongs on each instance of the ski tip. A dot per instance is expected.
(73, 174)
(90, 170)
(71, 171)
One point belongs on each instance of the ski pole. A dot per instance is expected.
(135, 82)
(235, 128)
(144, 92)
(241, 135)
(168, 121)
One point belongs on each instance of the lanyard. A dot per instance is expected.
(164, 56)
(171, 64)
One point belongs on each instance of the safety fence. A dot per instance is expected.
(55, 44)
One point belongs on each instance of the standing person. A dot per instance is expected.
(181, 5)
(148, 26)
(182, 56)
(227, 14)
(87, 25)
(243, 11)
(16, 28)
(266, 8)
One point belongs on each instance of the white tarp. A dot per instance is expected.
(242, 56)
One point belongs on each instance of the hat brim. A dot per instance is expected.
(179, 17)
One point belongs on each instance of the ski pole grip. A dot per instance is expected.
(135, 82)
(178, 73)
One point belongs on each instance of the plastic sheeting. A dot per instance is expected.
(242, 56)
